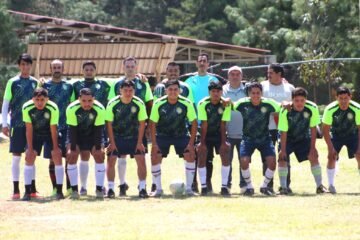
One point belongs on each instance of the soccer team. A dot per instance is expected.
(68, 119)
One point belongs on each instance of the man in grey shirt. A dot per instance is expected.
(234, 90)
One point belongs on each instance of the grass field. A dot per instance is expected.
(302, 216)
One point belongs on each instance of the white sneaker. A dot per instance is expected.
(157, 193)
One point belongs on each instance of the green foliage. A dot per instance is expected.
(6, 72)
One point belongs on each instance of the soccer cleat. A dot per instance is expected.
(123, 188)
(321, 189)
(111, 193)
(332, 189)
(69, 191)
(15, 196)
(26, 197)
(242, 189)
(266, 191)
(157, 193)
(83, 191)
(153, 187)
(74, 195)
(225, 192)
(290, 190)
(204, 191)
(194, 187)
(143, 194)
(271, 190)
(99, 194)
(283, 191)
(209, 186)
(189, 192)
(249, 192)
(59, 196)
(35, 195)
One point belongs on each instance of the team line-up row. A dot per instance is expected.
(98, 118)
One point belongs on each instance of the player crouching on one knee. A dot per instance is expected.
(86, 120)
(213, 116)
(41, 117)
(297, 127)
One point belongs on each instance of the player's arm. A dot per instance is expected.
(110, 132)
(5, 107)
(139, 145)
(358, 148)
(154, 118)
(283, 128)
(98, 136)
(327, 122)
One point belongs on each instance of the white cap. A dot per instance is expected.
(234, 68)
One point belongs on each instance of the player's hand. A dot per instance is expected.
(30, 155)
(226, 102)
(42, 81)
(287, 105)
(282, 156)
(140, 148)
(142, 77)
(111, 148)
(284, 80)
(5, 131)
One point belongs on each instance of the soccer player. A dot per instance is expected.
(169, 119)
(18, 90)
(100, 90)
(235, 90)
(173, 73)
(86, 119)
(41, 117)
(142, 91)
(298, 135)
(342, 119)
(125, 120)
(213, 116)
(62, 94)
(256, 111)
(279, 90)
(199, 87)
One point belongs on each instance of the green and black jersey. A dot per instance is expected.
(142, 90)
(172, 119)
(99, 88)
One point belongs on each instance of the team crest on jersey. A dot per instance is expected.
(133, 109)
(91, 116)
(306, 115)
(263, 109)
(179, 110)
(46, 115)
(350, 116)
(220, 110)
(97, 86)
(138, 86)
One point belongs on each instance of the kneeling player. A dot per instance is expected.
(86, 120)
(342, 118)
(125, 117)
(298, 135)
(256, 112)
(41, 117)
(213, 116)
(169, 117)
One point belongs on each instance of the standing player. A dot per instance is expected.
(235, 90)
(86, 120)
(173, 73)
(342, 119)
(100, 89)
(298, 135)
(18, 91)
(169, 119)
(199, 87)
(213, 116)
(279, 90)
(256, 112)
(41, 117)
(125, 119)
(142, 91)
(62, 94)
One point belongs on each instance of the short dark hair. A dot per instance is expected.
(152, 81)
(204, 55)
(172, 82)
(129, 59)
(86, 92)
(172, 64)
(215, 85)
(89, 63)
(254, 85)
(277, 67)
(40, 92)
(299, 91)
(24, 57)
(127, 83)
(343, 90)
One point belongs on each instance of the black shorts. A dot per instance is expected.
(125, 146)
(180, 143)
(301, 149)
(17, 139)
(213, 143)
(39, 142)
(350, 143)
(62, 145)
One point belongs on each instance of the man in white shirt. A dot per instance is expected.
(277, 88)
